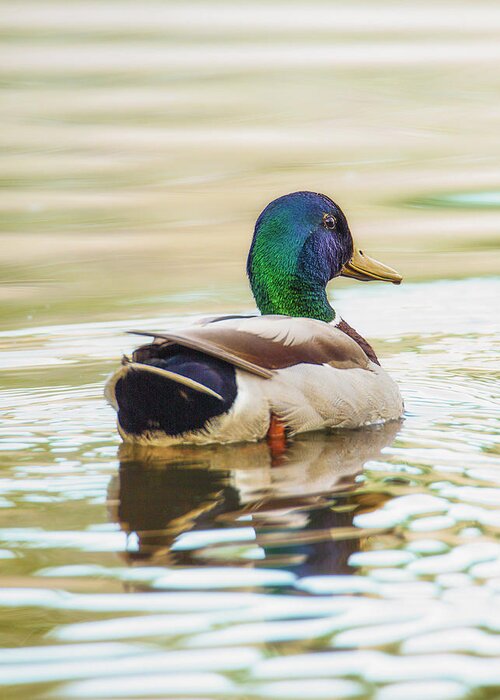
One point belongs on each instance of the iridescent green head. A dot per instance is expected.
(302, 241)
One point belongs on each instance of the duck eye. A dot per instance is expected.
(329, 221)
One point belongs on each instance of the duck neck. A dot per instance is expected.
(290, 295)
(287, 270)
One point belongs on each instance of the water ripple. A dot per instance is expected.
(364, 564)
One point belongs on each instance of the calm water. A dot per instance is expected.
(139, 142)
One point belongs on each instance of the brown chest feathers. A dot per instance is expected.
(363, 344)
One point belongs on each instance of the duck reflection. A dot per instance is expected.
(247, 504)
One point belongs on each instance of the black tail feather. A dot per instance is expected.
(150, 402)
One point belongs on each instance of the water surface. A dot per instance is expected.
(356, 564)
(139, 142)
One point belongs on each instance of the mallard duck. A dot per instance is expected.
(297, 367)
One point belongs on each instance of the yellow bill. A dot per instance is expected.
(362, 267)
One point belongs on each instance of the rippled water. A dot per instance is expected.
(139, 141)
(358, 564)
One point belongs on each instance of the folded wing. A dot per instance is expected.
(261, 344)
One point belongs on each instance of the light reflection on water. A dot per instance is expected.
(358, 564)
(139, 142)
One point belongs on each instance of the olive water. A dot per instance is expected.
(139, 142)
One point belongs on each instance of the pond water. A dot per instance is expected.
(358, 564)
(139, 142)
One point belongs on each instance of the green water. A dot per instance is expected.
(139, 143)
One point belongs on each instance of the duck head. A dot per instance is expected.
(302, 241)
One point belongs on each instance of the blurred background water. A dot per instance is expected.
(139, 142)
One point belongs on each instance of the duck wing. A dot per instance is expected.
(261, 344)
